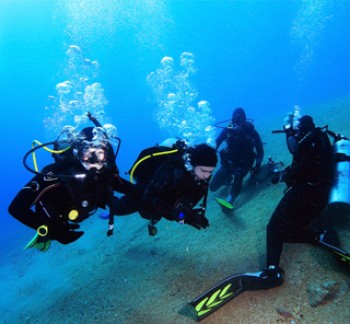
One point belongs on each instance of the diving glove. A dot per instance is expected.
(197, 219)
(64, 232)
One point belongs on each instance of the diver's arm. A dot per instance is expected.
(195, 217)
(259, 148)
(292, 144)
(297, 145)
(222, 136)
(183, 208)
(21, 206)
(123, 186)
(308, 141)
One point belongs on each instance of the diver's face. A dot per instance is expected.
(93, 158)
(237, 119)
(203, 172)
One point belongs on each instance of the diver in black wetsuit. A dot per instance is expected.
(309, 180)
(244, 146)
(68, 191)
(173, 190)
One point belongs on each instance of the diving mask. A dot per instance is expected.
(93, 157)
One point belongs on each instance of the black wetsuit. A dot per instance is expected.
(171, 192)
(309, 180)
(46, 200)
(244, 146)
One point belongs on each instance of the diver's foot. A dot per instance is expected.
(273, 276)
(230, 199)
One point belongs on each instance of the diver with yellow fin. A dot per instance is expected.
(313, 174)
(231, 287)
(243, 154)
(68, 191)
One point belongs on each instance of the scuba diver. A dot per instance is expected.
(68, 191)
(308, 180)
(243, 147)
(170, 183)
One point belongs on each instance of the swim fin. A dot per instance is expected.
(38, 242)
(231, 287)
(343, 255)
(224, 203)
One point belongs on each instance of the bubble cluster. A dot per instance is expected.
(296, 116)
(77, 95)
(307, 29)
(103, 23)
(175, 96)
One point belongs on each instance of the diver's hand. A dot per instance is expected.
(181, 211)
(289, 130)
(197, 219)
(63, 232)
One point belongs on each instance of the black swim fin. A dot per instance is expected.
(343, 255)
(329, 240)
(231, 287)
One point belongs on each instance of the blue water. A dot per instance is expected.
(265, 56)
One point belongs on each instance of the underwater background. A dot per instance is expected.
(156, 69)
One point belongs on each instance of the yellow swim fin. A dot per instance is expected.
(224, 203)
(39, 243)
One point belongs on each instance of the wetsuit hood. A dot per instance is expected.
(239, 116)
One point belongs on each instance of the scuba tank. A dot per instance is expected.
(340, 192)
(151, 158)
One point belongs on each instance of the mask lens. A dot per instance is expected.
(93, 155)
(87, 154)
(100, 155)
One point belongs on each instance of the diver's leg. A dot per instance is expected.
(309, 202)
(299, 207)
(278, 228)
(274, 239)
(237, 184)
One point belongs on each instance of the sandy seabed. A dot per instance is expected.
(132, 277)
